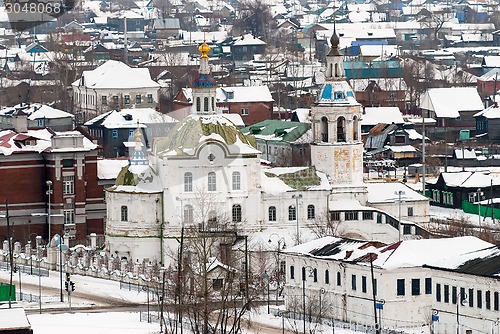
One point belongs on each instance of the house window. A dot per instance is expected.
(487, 298)
(367, 215)
(327, 277)
(104, 100)
(188, 214)
(115, 100)
(410, 211)
(400, 290)
(339, 278)
(138, 99)
(150, 98)
(415, 286)
(292, 214)
(495, 301)
(292, 272)
(124, 213)
(406, 229)
(217, 283)
(471, 297)
(363, 284)
(479, 299)
(335, 216)
(69, 213)
(446, 293)
(375, 286)
(438, 292)
(315, 275)
(198, 104)
(126, 99)
(351, 215)
(236, 213)
(114, 134)
(353, 282)
(272, 213)
(212, 182)
(68, 184)
(245, 111)
(205, 104)
(454, 295)
(236, 180)
(188, 181)
(379, 218)
(428, 285)
(310, 212)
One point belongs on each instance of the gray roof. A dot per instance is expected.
(167, 23)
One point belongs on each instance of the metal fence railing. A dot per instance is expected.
(34, 298)
(29, 270)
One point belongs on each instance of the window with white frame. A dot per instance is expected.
(212, 182)
(292, 213)
(245, 111)
(188, 181)
(68, 184)
(311, 212)
(150, 98)
(124, 213)
(138, 99)
(272, 213)
(69, 213)
(188, 214)
(126, 99)
(236, 213)
(236, 180)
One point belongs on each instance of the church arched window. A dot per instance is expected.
(188, 214)
(324, 129)
(336, 70)
(341, 129)
(198, 104)
(124, 213)
(205, 104)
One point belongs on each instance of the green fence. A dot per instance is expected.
(4, 292)
(486, 211)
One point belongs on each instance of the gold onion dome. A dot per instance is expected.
(204, 49)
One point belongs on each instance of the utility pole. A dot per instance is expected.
(11, 256)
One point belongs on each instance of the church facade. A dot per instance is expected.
(206, 174)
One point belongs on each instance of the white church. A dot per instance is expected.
(205, 173)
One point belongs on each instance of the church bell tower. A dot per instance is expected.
(337, 149)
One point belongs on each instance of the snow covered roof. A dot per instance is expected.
(108, 169)
(378, 50)
(37, 111)
(401, 148)
(462, 254)
(13, 320)
(130, 118)
(465, 153)
(137, 179)
(491, 61)
(276, 130)
(491, 75)
(377, 115)
(388, 192)
(471, 180)
(449, 102)
(414, 135)
(336, 93)
(248, 39)
(116, 75)
(492, 112)
(189, 134)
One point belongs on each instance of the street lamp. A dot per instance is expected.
(38, 244)
(479, 193)
(297, 197)
(61, 240)
(49, 192)
(266, 276)
(281, 245)
(399, 193)
(461, 299)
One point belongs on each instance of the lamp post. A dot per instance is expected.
(479, 193)
(281, 245)
(297, 197)
(38, 243)
(399, 193)
(49, 192)
(461, 298)
(60, 265)
(265, 275)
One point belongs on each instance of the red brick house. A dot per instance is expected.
(29, 159)
(253, 103)
(488, 82)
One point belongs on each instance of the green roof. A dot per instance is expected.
(299, 180)
(283, 131)
(193, 130)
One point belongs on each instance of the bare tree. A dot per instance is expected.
(323, 225)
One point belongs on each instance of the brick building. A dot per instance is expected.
(29, 161)
(253, 103)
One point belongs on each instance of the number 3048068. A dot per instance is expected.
(48, 8)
